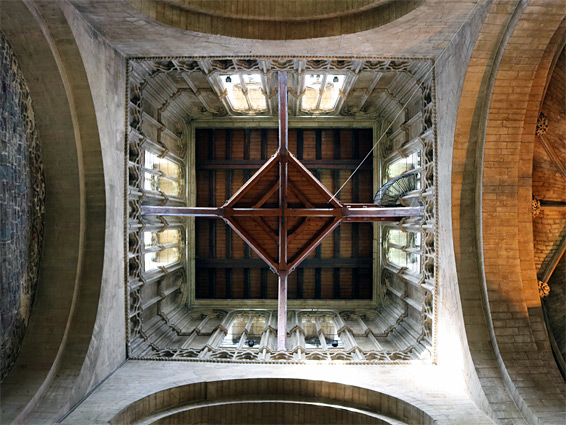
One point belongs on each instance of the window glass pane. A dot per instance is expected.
(308, 323)
(165, 181)
(331, 93)
(328, 94)
(410, 260)
(397, 237)
(232, 338)
(331, 336)
(169, 236)
(403, 165)
(255, 92)
(157, 183)
(165, 165)
(154, 260)
(234, 87)
(401, 238)
(313, 84)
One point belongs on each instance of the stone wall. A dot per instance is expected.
(21, 205)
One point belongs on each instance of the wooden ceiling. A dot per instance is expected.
(340, 268)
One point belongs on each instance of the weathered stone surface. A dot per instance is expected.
(21, 205)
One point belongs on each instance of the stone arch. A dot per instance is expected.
(491, 201)
(251, 400)
(62, 320)
(284, 20)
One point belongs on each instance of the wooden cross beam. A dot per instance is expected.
(284, 228)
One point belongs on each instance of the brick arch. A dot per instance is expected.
(491, 196)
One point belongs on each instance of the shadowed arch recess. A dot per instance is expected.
(268, 20)
(270, 401)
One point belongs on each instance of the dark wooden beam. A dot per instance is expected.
(184, 211)
(356, 144)
(315, 241)
(350, 212)
(544, 274)
(272, 162)
(247, 284)
(300, 282)
(212, 283)
(263, 144)
(267, 195)
(229, 287)
(355, 283)
(318, 143)
(300, 144)
(552, 204)
(255, 164)
(317, 284)
(336, 283)
(253, 243)
(314, 181)
(309, 263)
(294, 188)
(247, 138)
(554, 158)
(228, 230)
(263, 283)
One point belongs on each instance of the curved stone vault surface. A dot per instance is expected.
(21, 205)
(281, 20)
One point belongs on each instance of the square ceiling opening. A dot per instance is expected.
(198, 130)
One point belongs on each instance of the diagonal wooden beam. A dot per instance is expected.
(553, 156)
(298, 230)
(272, 162)
(314, 181)
(544, 275)
(323, 233)
(252, 243)
(268, 195)
(299, 194)
(261, 223)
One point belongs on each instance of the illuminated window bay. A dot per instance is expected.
(245, 92)
(162, 174)
(321, 92)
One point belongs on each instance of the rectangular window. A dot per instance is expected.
(403, 165)
(162, 174)
(403, 249)
(245, 94)
(163, 258)
(321, 92)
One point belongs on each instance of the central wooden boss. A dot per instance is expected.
(283, 212)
